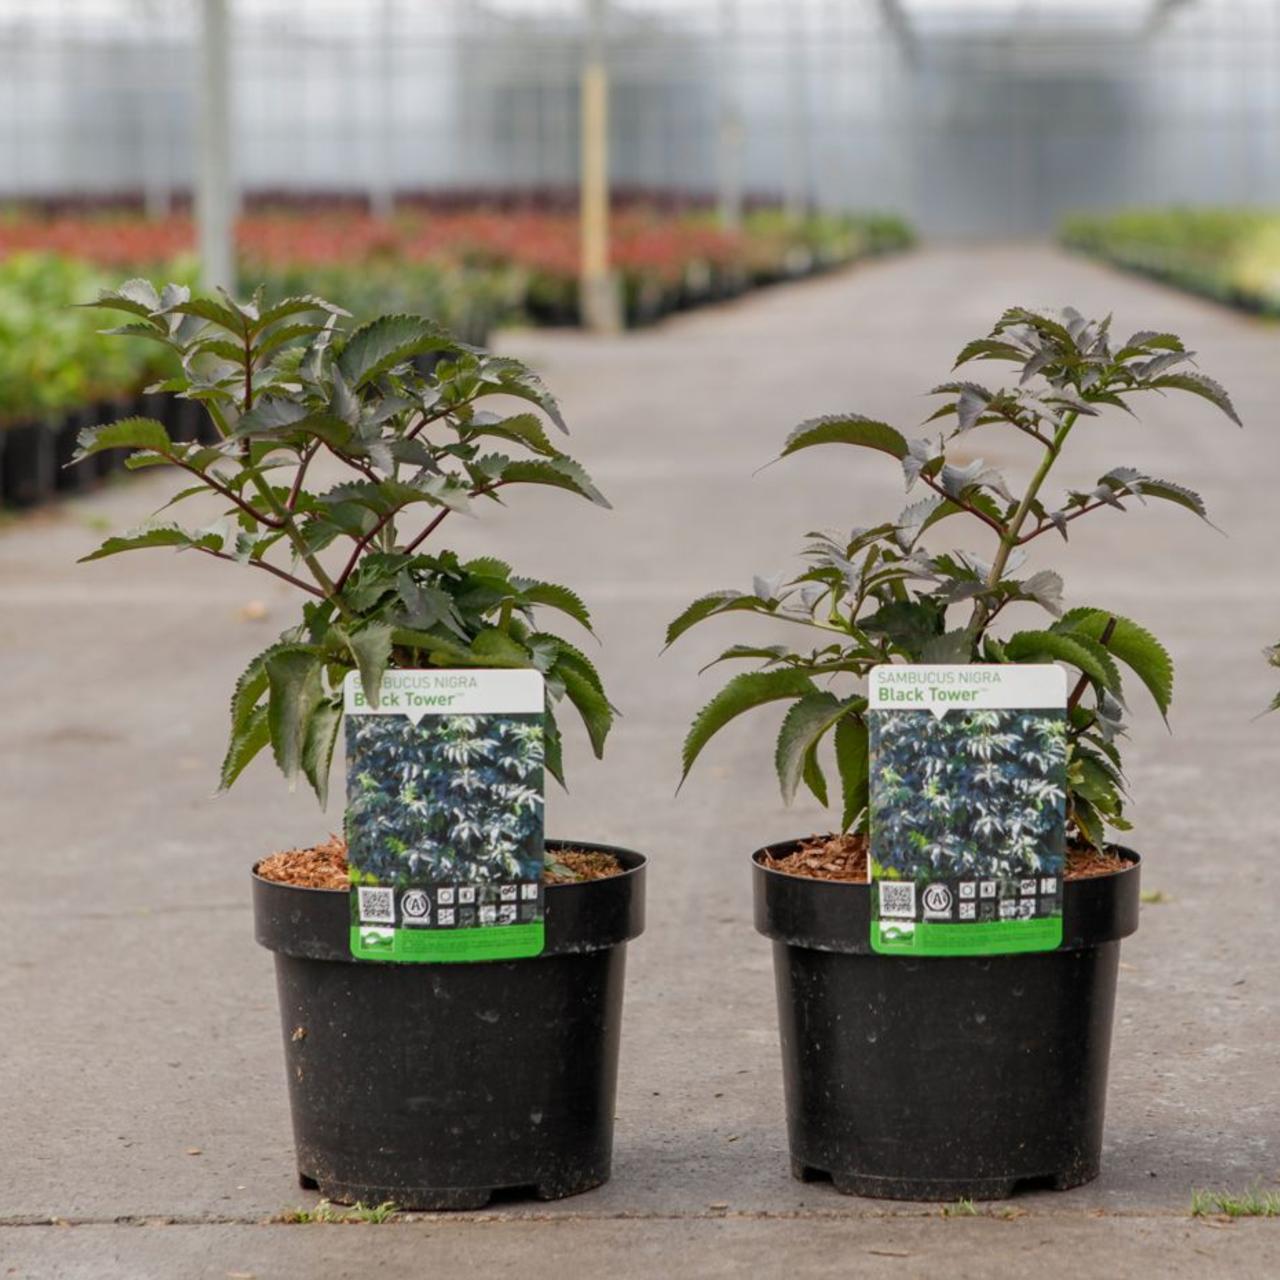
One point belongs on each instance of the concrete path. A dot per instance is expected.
(143, 1124)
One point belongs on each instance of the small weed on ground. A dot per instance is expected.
(328, 1212)
(1154, 898)
(1253, 1203)
(961, 1209)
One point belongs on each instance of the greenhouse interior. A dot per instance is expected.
(336, 864)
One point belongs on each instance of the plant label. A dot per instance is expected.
(968, 777)
(444, 815)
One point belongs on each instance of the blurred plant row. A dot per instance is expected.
(469, 270)
(1231, 255)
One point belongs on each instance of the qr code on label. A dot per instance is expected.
(897, 900)
(377, 906)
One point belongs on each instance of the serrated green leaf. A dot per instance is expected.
(711, 604)
(554, 596)
(1197, 384)
(1136, 647)
(853, 756)
(742, 693)
(137, 296)
(1043, 646)
(247, 740)
(208, 309)
(552, 746)
(370, 647)
(953, 646)
(496, 647)
(158, 535)
(989, 349)
(441, 650)
(591, 704)
(559, 472)
(295, 690)
(569, 655)
(127, 433)
(807, 719)
(299, 304)
(513, 378)
(522, 428)
(317, 750)
(1087, 822)
(383, 343)
(1125, 480)
(1101, 655)
(814, 778)
(847, 429)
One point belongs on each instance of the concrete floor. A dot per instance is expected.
(143, 1125)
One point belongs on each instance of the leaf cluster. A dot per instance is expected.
(402, 409)
(879, 593)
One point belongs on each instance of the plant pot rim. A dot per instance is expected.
(819, 914)
(314, 923)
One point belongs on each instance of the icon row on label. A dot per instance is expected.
(970, 889)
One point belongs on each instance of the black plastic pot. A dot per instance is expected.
(30, 464)
(182, 419)
(437, 1085)
(71, 478)
(107, 411)
(942, 1077)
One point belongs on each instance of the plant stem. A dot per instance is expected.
(303, 463)
(1009, 538)
(432, 526)
(270, 568)
(307, 556)
(1083, 683)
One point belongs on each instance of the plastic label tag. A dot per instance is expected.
(444, 815)
(968, 775)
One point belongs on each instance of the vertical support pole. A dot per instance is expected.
(382, 185)
(799, 161)
(153, 123)
(215, 200)
(729, 149)
(599, 303)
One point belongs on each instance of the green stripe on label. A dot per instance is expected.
(998, 937)
(443, 946)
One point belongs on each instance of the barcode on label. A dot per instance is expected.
(897, 900)
(377, 906)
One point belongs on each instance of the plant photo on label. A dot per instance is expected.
(1019, 1019)
(453, 795)
(339, 451)
(971, 793)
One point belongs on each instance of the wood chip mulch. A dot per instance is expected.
(321, 867)
(1084, 861)
(579, 865)
(825, 858)
(844, 858)
(325, 866)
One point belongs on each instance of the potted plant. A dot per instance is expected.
(963, 1076)
(429, 1085)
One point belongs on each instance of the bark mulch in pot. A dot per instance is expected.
(844, 858)
(324, 866)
